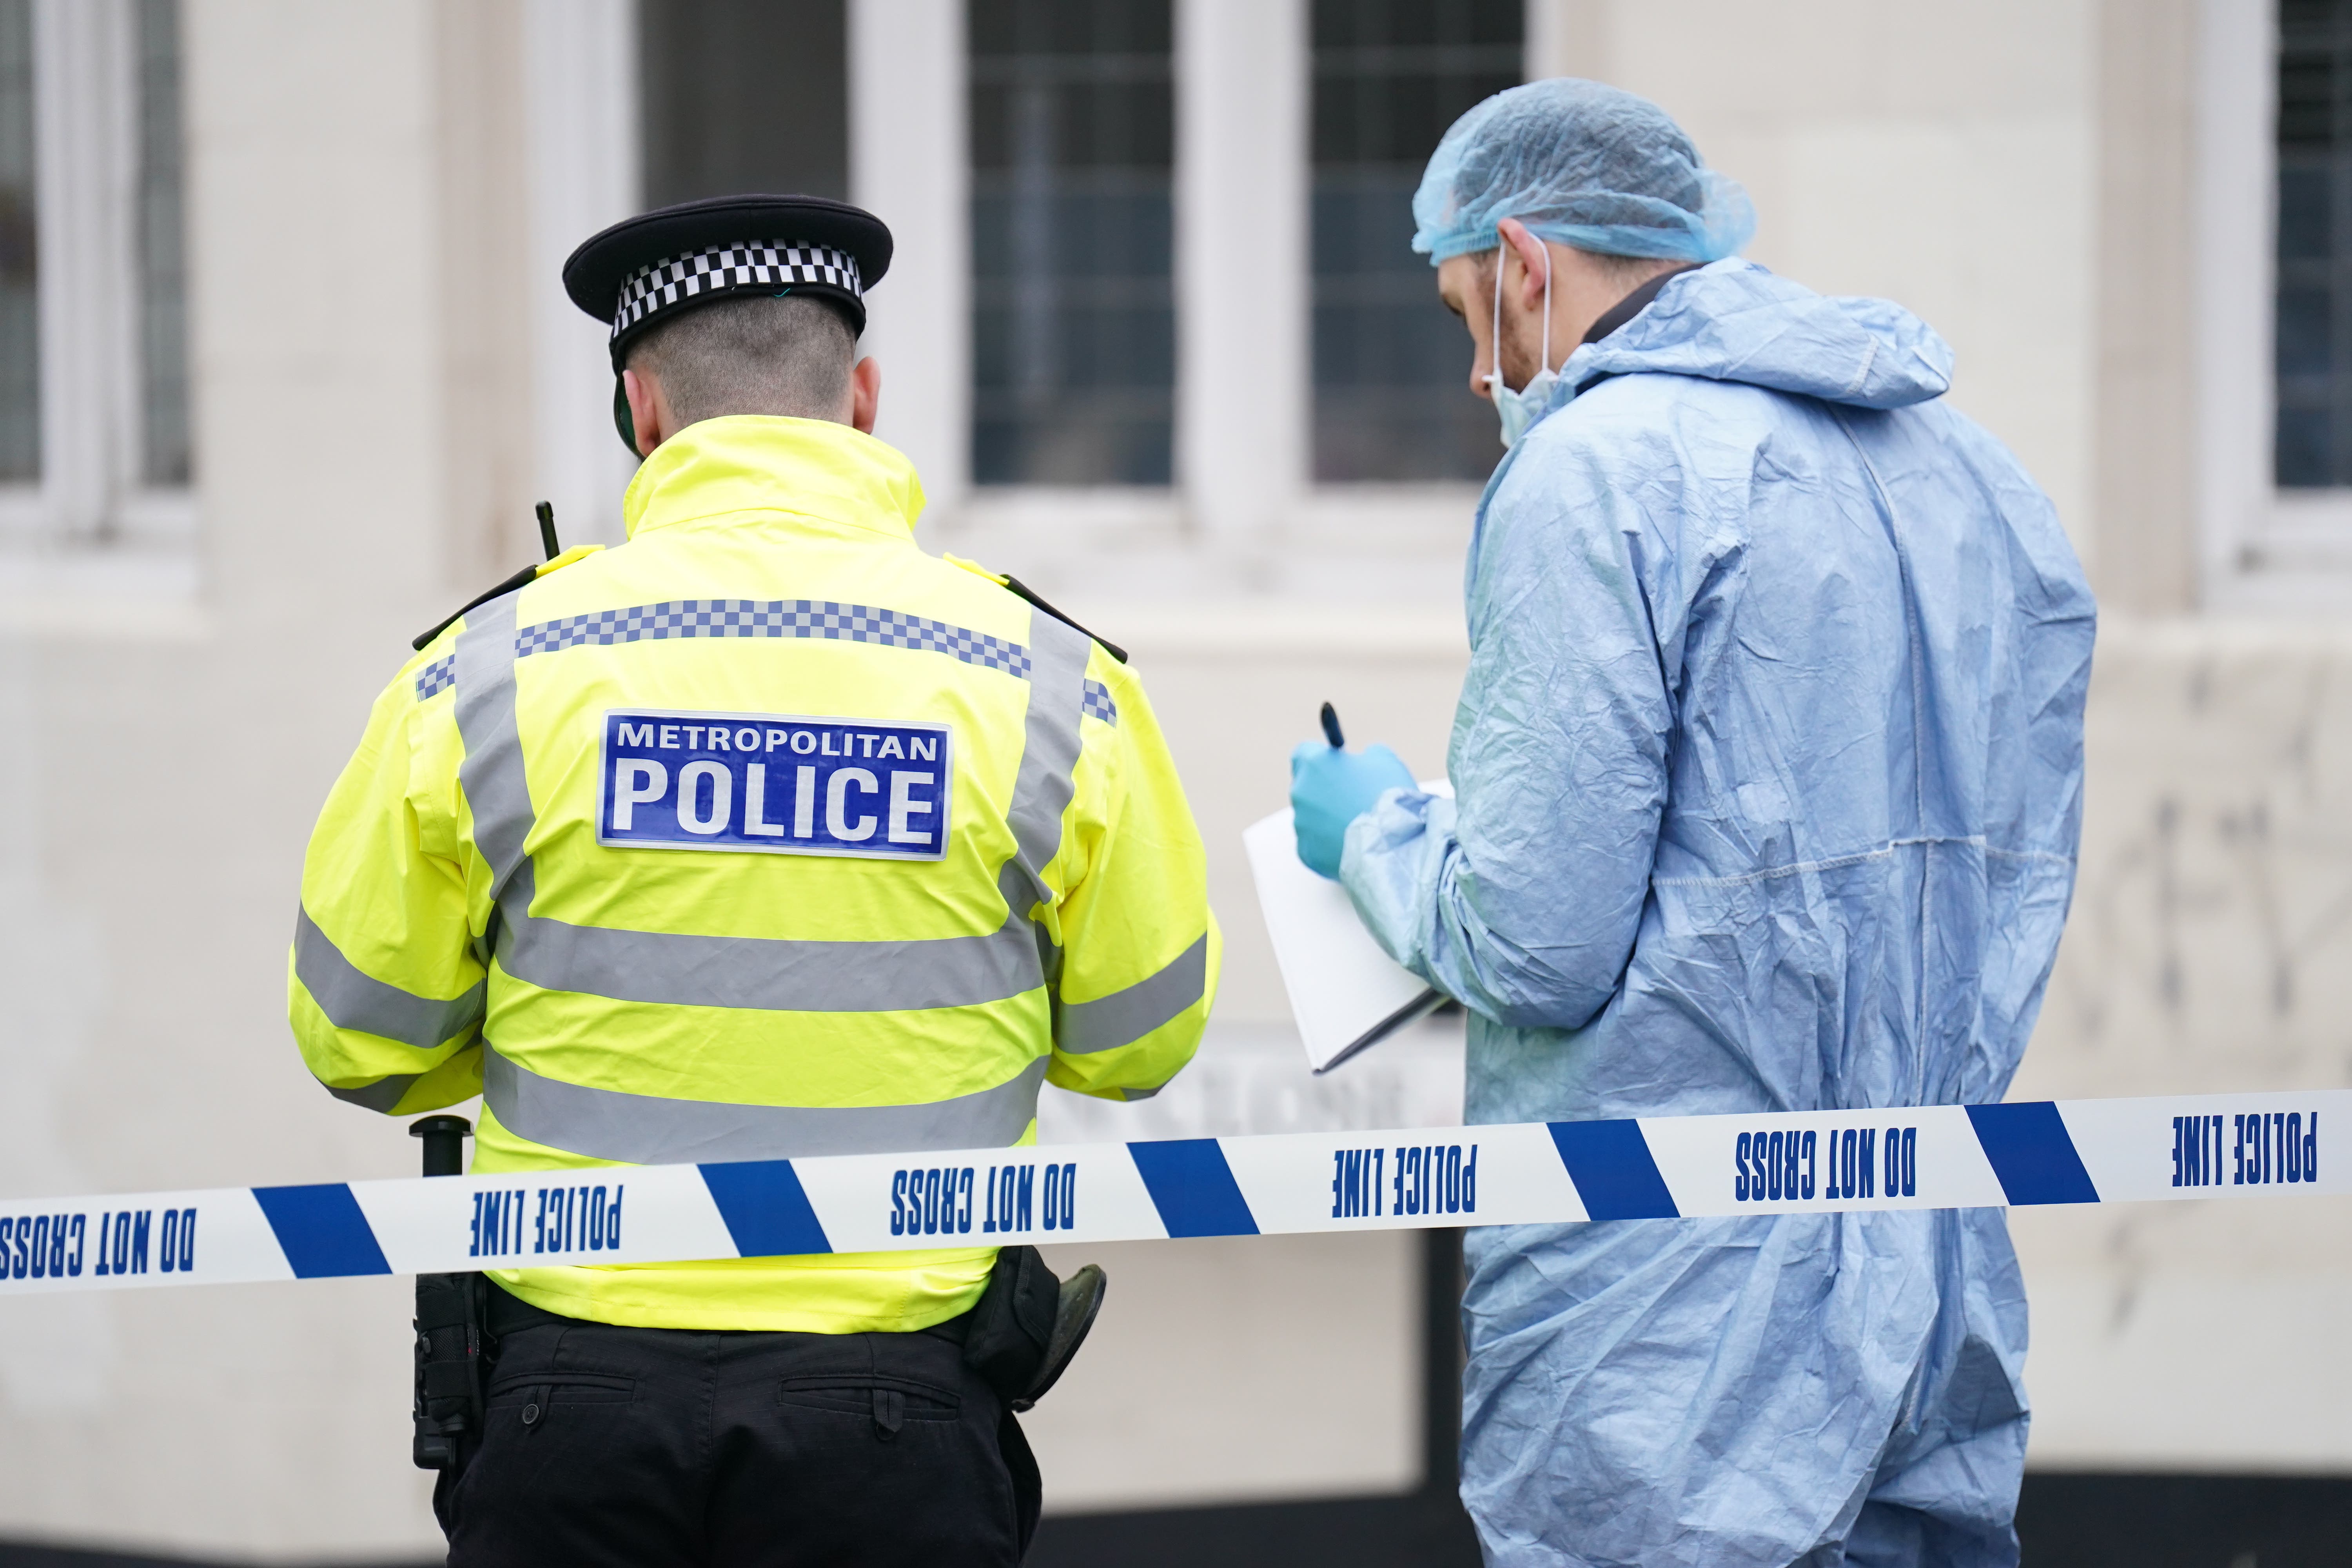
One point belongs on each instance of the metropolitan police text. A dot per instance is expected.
(776, 784)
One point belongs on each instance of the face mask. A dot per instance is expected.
(1518, 409)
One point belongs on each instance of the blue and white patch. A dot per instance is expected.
(775, 784)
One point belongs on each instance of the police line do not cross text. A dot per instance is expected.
(1917, 1157)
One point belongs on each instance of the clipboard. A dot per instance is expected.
(1345, 994)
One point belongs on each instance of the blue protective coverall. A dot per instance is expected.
(1768, 769)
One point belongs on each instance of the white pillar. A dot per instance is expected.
(580, 88)
(909, 166)
(1242, 300)
(2237, 86)
(1567, 38)
(85, 141)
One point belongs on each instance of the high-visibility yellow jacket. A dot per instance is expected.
(764, 834)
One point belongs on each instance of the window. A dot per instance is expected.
(1389, 363)
(1073, 306)
(2313, 334)
(744, 95)
(1034, 156)
(164, 447)
(20, 300)
(94, 418)
(2273, 191)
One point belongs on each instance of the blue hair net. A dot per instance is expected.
(1583, 164)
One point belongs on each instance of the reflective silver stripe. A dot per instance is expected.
(1049, 758)
(1125, 1016)
(382, 1095)
(497, 791)
(606, 1124)
(764, 971)
(1135, 1094)
(353, 999)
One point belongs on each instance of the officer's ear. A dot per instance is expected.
(640, 412)
(1534, 265)
(864, 394)
(623, 420)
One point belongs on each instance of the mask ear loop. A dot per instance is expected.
(1546, 365)
(1494, 381)
(1495, 386)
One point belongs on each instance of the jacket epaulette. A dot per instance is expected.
(1022, 591)
(522, 579)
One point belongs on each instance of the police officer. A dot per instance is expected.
(764, 834)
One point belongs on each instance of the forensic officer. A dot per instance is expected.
(1767, 781)
(764, 834)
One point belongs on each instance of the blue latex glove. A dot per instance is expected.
(1330, 788)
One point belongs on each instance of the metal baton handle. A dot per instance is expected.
(445, 1143)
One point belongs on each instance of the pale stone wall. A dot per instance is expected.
(2209, 950)
(1942, 156)
(163, 762)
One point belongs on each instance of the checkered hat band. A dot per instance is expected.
(652, 289)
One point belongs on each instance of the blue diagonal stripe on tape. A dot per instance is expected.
(322, 1231)
(2031, 1153)
(766, 1210)
(1192, 1188)
(1610, 1163)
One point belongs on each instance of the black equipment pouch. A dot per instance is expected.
(450, 1345)
(1028, 1324)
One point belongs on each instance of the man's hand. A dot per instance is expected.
(1330, 788)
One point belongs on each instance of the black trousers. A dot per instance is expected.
(665, 1448)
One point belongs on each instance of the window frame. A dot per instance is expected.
(1451, 410)
(583, 148)
(2263, 545)
(1244, 377)
(91, 494)
(1137, 418)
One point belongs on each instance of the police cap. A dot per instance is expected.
(646, 268)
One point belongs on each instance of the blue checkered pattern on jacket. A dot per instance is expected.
(1097, 703)
(774, 619)
(438, 677)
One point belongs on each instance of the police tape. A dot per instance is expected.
(1918, 1157)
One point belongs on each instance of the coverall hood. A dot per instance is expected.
(1735, 320)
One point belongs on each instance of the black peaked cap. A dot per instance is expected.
(596, 273)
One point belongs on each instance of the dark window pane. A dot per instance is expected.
(1392, 364)
(20, 337)
(162, 268)
(2314, 337)
(2304, 211)
(2303, 331)
(2302, 447)
(1073, 148)
(744, 95)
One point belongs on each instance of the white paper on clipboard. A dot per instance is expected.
(1345, 992)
